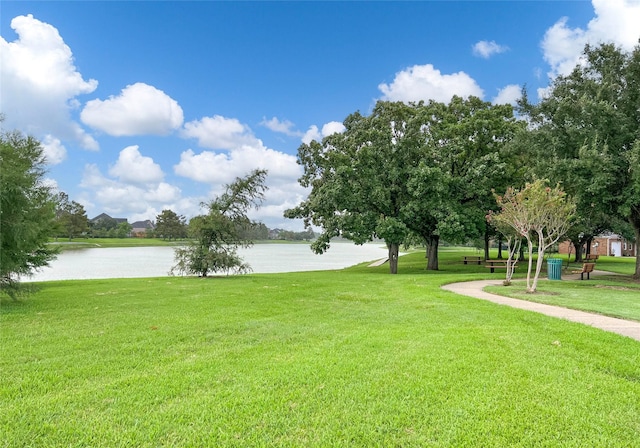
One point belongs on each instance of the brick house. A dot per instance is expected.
(139, 228)
(606, 244)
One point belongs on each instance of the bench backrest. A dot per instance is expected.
(588, 267)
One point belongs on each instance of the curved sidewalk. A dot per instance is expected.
(476, 289)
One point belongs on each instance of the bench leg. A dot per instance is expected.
(492, 270)
(588, 278)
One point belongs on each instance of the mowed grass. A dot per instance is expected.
(354, 357)
(602, 295)
(611, 295)
(83, 243)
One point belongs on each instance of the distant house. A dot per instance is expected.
(140, 228)
(606, 244)
(274, 234)
(105, 217)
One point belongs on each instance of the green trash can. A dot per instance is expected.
(554, 268)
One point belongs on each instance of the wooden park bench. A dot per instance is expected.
(591, 257)
(499, 264)
(587, 268)
(473, 258)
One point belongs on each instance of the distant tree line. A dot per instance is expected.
(71, 221)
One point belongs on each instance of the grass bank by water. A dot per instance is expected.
(83, 243)
(354, 357)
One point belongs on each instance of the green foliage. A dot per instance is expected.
(586, 134)
(216, 236)
(123, 230)
(538, 213)
(405, 170)
(26, 209)
(358, 178)
(105, 227)
(71, 218)
(170, 225)
(254, 231)
(288, 235)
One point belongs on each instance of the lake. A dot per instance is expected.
(136, 262)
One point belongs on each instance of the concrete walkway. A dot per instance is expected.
(620, 326)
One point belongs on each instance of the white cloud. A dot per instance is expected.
(313, 133)
(140, 109)
(134, 168)
(40, 83)
(51, 183)
(54, 150)
(544, 92)
(221, 168)
(486, 49)
(218, 132)
(218, 169)
(284, 127)
(615, 21)
(424, 82)
(508, 95)
(126, 195)
(242, 153)
(333, 127)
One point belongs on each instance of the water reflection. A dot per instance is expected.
(134, 262)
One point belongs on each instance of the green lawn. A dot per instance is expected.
(355, 357)
(612, 295)
(82, 243)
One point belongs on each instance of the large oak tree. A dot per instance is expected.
(359, 178)
(586, 133)
(406, 169)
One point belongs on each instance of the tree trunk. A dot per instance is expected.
(577, 244)
(635, 223)
(588, 242)
(499, 247)
(486, 245)
(432, 253)
(529, 263)
(394, 248)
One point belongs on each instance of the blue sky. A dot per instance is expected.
(147, 105)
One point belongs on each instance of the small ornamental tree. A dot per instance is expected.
(513, 239)
(216, 236)
(539, 214)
